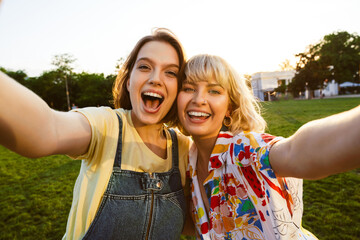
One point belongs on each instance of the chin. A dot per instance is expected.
(195, 133)
(151, 120)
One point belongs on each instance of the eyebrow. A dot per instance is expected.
(151, 61)
(208, 85)
(214, 85)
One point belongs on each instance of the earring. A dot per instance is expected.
(227, 121)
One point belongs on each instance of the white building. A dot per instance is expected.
(264, 83)
(331, 89)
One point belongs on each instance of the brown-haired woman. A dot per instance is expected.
(133, 168)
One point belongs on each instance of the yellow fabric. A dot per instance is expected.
(96, 169)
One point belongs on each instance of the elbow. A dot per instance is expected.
(26, 153)
(33, 153)
(33, 149)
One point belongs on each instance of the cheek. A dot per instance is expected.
(220, 107)
(180, 102)
(174, 90)
(173, 87)
(131, 81)
(181, 106)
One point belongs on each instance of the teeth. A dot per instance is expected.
(199, 114)
(152, 94)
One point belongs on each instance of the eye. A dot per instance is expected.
(213, 91)
(188, 89)
(171, 73)
(143, 67)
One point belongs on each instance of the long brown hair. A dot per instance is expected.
(121, 95)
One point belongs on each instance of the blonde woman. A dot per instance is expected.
(247, 184)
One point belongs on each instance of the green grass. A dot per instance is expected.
(36, 194)
(331, 205)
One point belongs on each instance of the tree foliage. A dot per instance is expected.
(86, 89)
(336, 56)
(51, 88)
(90, 89)
(18, 75)
(63, 62)
(286, 65)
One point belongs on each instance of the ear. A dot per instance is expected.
(228, 112)
(127, 84)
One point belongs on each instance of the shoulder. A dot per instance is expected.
(244, 142)
(100, 118)
(104, 132)
(125, 116)
(184, 142)
(123, 113)
(181, 137)
(254, 139)
(96, 112)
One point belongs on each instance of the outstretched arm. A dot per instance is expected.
(28, 126)
(320, 148)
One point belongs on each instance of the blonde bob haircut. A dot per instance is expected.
(244, 108)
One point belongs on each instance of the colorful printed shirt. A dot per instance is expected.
(246, 199)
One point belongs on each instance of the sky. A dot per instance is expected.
(252, 35)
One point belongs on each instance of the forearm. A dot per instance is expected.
(320, 148)
(25, 119)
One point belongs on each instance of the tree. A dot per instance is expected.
(63, 63)
(247, 78)
(282, 88)
(18, 75)
(286, 65)
(50, 88)
(340, 50)
(92, 89)
(119, 63)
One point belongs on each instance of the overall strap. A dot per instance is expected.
(174, 148)
(117, 161)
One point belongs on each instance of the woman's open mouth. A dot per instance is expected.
(152, 100)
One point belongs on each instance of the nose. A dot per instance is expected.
(155, 78)
(199, 98)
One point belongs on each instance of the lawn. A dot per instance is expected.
(36, 194)
(331, 205)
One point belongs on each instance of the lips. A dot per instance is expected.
(198, 115)
(152, 100)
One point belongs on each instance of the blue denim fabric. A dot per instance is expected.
(137, 205)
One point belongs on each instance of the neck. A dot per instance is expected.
(151, 133)
(147, 131)
(204, 147)
(153, 137)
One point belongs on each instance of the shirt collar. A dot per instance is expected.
(220, 151)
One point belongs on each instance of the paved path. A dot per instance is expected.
(344, 96)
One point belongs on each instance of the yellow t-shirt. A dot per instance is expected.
(98, 162)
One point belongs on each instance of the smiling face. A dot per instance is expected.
(152, 84)
(202, 107)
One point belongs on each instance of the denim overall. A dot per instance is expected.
(139, 205)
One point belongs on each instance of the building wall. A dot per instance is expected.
(263, 82)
